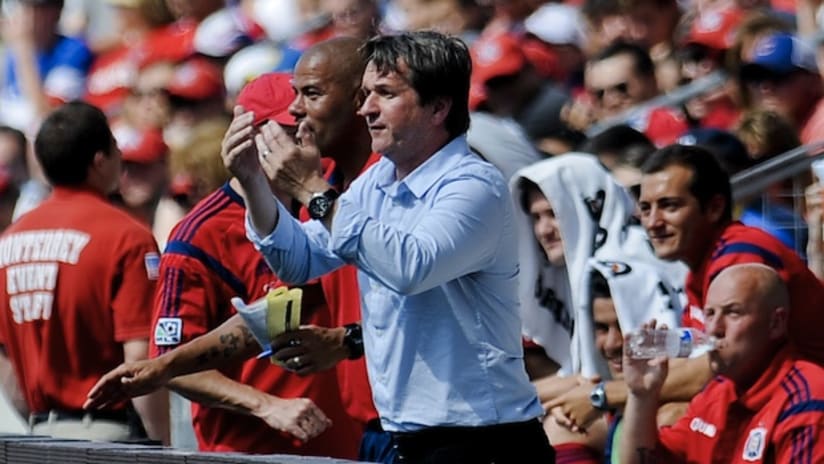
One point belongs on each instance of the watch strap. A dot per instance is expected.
(353, 340)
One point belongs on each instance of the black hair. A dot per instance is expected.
(642, 63)
(599, 288)
(439, 66)
(708, 179)
(595, 10)
(630, 146)
(527, 187)
(68, 140)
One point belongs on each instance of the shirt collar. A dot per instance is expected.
(766, 386)
(695, 280)
(419, 181)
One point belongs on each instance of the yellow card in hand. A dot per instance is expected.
(282, 311)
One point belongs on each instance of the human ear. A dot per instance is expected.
(778, 323)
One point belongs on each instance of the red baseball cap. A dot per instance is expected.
(140, 146)
(268, 96)
(495, 56)
(196, 79)
(716, 28)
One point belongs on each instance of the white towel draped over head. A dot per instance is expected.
(594, 215)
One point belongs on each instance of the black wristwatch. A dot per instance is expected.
(353, 340)
(320, 205)
(598, 397)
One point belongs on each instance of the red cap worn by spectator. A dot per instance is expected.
(716, 28)
(496, 56)
(493, 56)
(196, 79)
(140, 146)
(268, 97)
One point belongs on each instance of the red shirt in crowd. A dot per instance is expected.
(115, 72)
(665, 125)
(207, 261)
(738, 243)
(779, 419)
(78, 277)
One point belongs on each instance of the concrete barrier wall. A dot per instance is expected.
(30, 449)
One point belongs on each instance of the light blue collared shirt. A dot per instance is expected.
(437, 268)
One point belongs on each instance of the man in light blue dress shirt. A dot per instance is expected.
(430, 229)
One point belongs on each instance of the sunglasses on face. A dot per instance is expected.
(620, 88)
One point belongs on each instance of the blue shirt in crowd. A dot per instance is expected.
(438, 267)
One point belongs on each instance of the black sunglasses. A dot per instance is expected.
(621, 88)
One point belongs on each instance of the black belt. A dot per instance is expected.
(121, 416)
(519, 442)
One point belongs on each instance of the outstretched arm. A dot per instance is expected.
(230, 342)
(153, 407)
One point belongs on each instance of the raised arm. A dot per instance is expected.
(240, 156)
(644, 379)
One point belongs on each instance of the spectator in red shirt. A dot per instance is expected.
(686, 208)
(764, 406)
(77, 278)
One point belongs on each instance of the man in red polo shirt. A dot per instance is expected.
(686, 208)
(77, 276)
(763, 406)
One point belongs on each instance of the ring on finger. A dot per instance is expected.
(295, 362)
(294, 342)
(266, 152)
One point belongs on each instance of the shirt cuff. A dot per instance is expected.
(347, 228)
(279, 238)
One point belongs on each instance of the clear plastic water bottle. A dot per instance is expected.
(673, 343)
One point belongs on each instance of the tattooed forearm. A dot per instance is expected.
(229, 342)
(232, 341)
(646, 456)
(213, 352)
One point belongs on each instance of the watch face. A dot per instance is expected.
(598, 397)
(321, 203)
(319, 207)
